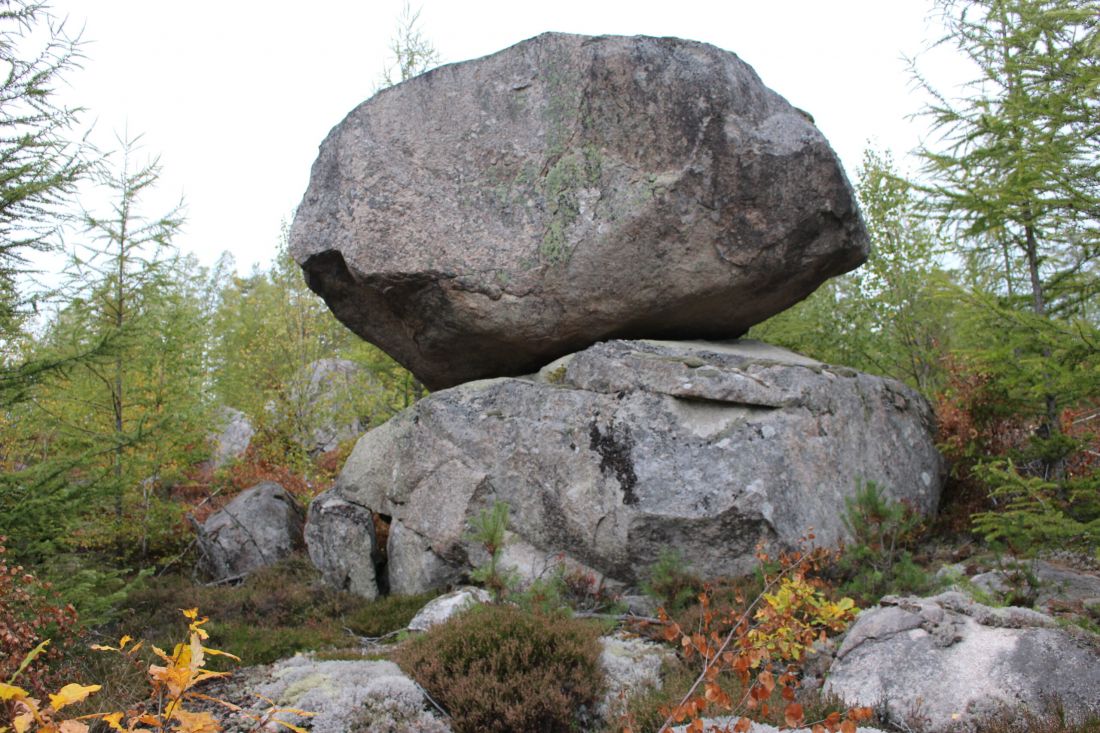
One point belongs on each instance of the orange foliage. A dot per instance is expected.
(762, 646)
(27, 617)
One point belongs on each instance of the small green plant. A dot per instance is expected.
(489, 529)
(499, 668)
(386, 615)
(879, 560)
(670, 583)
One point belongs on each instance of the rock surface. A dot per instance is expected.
(361, 696)
(489, 216)
(260, 526)
(233, 437)
(630, 666)
(1057, 587)
(940, 664)
(631, 447)
(345, 550)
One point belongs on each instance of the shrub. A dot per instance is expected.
(28, 617)
(670, 583)
(879, 560)
(761, 648)
(275, 612)
(1033, 513)
(499, 668)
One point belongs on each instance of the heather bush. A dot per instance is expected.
(500, 668)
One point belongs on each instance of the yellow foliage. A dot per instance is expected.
(775, 633)
(172, 687)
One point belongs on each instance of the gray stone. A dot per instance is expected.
(489, 216)
(233, 437)
(1047, 585)
(362, 696)
(438, 610)
(260, 526)
(344, 551)
(941, 664)
(630, 665)
(632, 447)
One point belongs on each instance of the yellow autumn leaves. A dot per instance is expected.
(172, 688)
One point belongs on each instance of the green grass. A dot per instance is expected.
(278, 611)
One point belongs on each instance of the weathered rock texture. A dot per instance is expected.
(631, 447)
(233, 437)
(259, 527)
(489, 216)
(339, 537)
(444, 607)
(943, 663)
(342, 696)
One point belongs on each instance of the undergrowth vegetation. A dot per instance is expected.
(498, 668)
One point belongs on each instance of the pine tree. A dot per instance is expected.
(39, 169)
(1015, 175)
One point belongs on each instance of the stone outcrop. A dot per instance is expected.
(330, 402)
(487, 217)
(340, 540)
(342, 696)
(942, 664)
(630, 447)
(232, 438)
(259, 527)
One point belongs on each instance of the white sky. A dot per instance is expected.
(235, 96)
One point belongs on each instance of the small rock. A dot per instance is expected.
(447, 605)
(361, 696)
(233, 437)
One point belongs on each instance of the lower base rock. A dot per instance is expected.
(612, 456)
(943, 664)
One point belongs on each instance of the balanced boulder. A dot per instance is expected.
(487, 217)
(629, 448)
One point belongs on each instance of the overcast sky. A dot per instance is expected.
(236, 95)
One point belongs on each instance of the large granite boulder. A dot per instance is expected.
(259, 527)
(489, 216)
(630, 447)
(946, 663)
